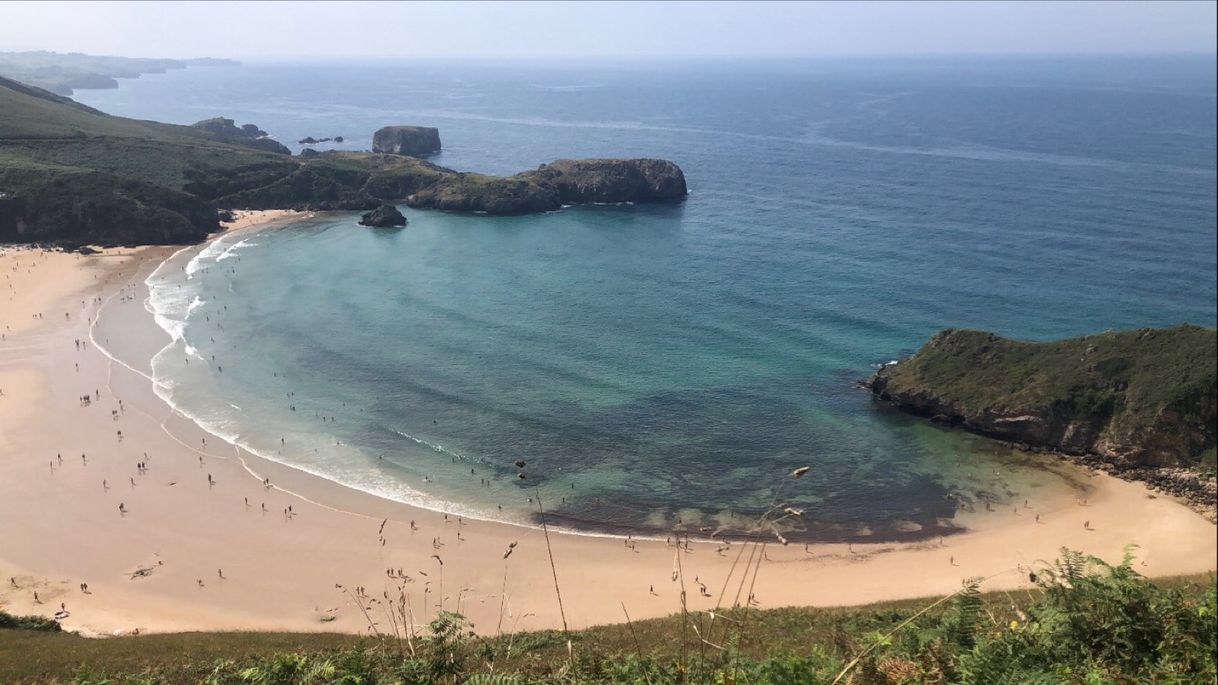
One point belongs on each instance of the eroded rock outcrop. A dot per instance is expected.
(385, 216)
(584, 181)
(414, 141)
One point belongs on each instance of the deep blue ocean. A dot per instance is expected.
(665, 366)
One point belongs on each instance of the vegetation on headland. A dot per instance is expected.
(72, 175)
(1085, 622)
(1142, 403)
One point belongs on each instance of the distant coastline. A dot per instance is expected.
(64, 74)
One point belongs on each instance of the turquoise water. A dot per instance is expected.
(665, 366)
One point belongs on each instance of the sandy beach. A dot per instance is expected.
(196, 540)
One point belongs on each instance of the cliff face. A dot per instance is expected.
(581, 181)
(414, 141)
(1144, 398)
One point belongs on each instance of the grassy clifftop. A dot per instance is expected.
(73, 175)
(1147, 397)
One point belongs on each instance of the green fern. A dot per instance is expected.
(962, 626)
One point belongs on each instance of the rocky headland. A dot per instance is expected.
(563, 182)
(1140, 404)
(75, 176)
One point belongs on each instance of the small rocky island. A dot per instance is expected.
(1142, 404)
(385, 216)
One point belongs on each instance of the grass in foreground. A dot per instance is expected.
(1088, 622)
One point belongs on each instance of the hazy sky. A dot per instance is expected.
(634, 29)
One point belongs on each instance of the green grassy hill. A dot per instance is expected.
(1139, 398)
(70, 174)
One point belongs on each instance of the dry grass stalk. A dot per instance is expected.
(553, 570)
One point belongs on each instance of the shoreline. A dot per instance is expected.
(558, 520)
(189, 555)
(1189, 485)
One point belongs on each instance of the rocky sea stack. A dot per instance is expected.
(414, 141)
(1140, 403)
(385, 216)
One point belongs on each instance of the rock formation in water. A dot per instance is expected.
(385, 216)
(414, 141)
(1141, 403)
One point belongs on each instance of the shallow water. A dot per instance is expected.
(662, 366)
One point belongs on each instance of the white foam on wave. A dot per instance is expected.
(170, 302)
(432, 446)
(195, 304)
(228, 253)
(213, 249)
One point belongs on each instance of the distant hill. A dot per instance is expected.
(62, 73)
